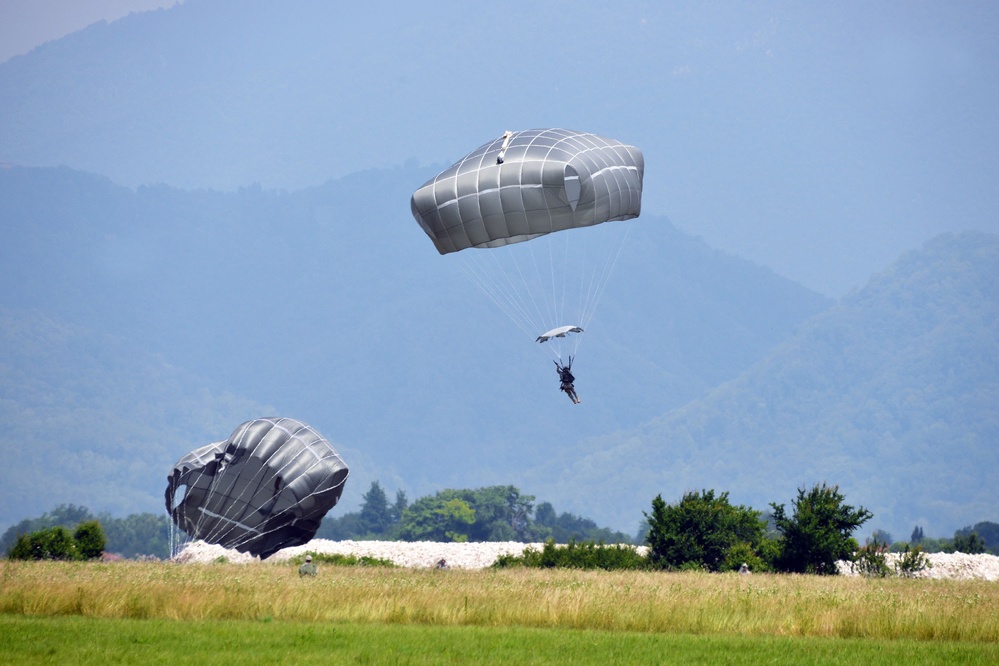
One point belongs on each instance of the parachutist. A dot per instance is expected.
(565, 376)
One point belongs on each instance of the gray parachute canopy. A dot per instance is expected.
(529, 183)
(265, 488)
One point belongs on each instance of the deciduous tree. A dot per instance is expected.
(700, 530)
(441, 517)
(819, 530)
(90, 541)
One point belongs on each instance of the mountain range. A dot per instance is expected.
(204, 219)
(141, 323)
(891, 394)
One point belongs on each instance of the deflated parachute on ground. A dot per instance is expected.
(529, 183)
(265, 488)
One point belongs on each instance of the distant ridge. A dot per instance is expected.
(330, 305)
(893, 394)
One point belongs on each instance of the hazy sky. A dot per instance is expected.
(25, 24)
(819, 139)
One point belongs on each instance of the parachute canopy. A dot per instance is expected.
(559, 332)
(529, 183)
(265, 488)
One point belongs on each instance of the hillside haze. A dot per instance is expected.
(892, 394)
(331, 305)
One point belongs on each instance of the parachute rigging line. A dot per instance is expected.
(499, 203)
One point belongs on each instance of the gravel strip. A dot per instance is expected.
(426, 554)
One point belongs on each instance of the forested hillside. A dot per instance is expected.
(172, 316)
(89, 417)
(893, 394)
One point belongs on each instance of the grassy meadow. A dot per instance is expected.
(134, 611)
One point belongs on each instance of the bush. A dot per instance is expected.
(744, 553)
(53, 543)
(65, 515)
(987, 531)
(911, 562)
(818, 533)
(339, 560)
(872, 559)
(56, 543)
(701, 529)
(573, 555)
(89, 538)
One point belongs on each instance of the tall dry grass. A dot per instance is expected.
(778, 605)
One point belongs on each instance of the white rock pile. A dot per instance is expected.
(427, 554)
(417, 554)
(959, 566)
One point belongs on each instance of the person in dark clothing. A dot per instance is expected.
(566, 379)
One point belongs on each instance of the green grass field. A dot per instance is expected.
(131, 612)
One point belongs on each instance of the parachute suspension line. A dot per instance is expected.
(197, 520)
(603, 252)
(532, 285)
(258, 480)
(497, 282)
(609, 266)
(221, 533)
(176, 540)
(563, 291)
(560, 291)
(554, 280)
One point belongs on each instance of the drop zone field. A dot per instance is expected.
(146, 612)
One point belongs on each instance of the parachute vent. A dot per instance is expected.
(506, 144)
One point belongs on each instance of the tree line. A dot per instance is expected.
(494, 513)
(703, 530)
(137, 535)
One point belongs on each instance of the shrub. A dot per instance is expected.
(700, 529)
(573, 555)
(90, 541)
(872, 559)
(743, 553)
(911, 562)
(818, 533)
(340, 560)
(53, 543)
